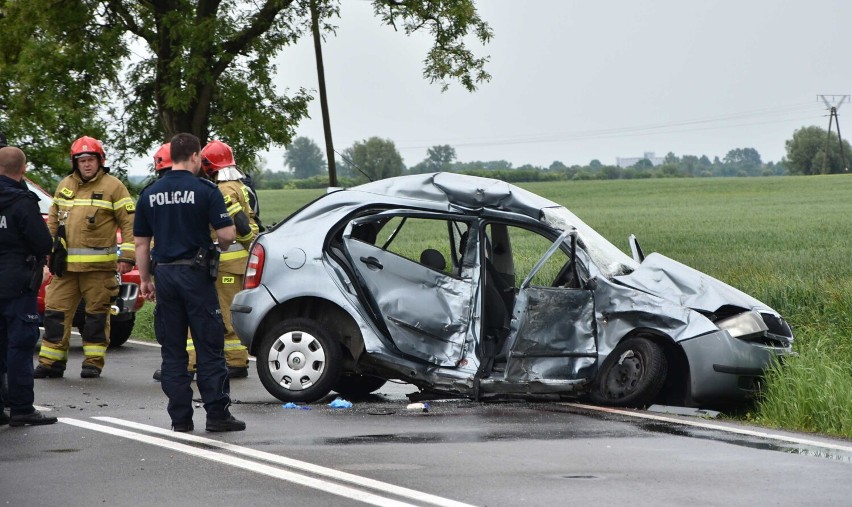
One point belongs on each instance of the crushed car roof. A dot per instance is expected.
(461, 191)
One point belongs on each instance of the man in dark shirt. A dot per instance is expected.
(24, 245)
(177, 212)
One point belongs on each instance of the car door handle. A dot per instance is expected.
(372, 262)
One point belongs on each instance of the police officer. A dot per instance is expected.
(89, 206)
(177, 213)
(162, 166)
(218, 162)
(24, 245)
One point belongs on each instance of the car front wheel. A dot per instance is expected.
(299, 360)
(632, 375)
(119, 331)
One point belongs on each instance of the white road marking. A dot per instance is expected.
(717, 427)
(145, 343)
(253, 466)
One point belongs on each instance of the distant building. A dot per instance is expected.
(631, 161)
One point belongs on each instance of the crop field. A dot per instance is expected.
(785, 240)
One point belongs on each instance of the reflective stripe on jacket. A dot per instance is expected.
(234, 258)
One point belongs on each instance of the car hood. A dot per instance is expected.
(678, 283)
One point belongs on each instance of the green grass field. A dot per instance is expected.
(784, 240)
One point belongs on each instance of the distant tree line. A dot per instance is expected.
(376, 158)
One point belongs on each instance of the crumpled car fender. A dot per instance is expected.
(620, 310)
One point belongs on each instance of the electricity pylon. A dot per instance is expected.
(833, 103)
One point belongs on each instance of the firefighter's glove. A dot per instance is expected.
(59, 255)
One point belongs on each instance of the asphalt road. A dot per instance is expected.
(112, 447)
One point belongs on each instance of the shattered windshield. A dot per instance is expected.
(606, 256)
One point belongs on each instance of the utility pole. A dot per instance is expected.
(833, 103)
(326, 124)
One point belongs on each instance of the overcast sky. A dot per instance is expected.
(580, 80)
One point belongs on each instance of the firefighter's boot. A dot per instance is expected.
(55, 370)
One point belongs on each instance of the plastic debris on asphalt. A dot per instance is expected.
(340, 403)
(423, 407)
(293, 405)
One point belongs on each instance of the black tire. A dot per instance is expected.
(119, 331)
(631, 376)
(352, 385)
(299, 360)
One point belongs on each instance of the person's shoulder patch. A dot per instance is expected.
(130, 207)
(67, 192)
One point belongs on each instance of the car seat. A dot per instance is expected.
(433, 259)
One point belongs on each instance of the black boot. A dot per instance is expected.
(36, 418)
(90, 371)
(52, 371)
(4, 419)
(183, 427)
(237, 371)
(229, 424)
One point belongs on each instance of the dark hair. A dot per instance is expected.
(182, 147)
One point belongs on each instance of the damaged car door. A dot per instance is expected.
(552, 346)
(424, 303)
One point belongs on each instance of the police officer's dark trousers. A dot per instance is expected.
(186, 297)
(18, 337)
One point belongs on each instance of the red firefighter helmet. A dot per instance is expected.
(87, 146)
(215, 156)
(163, 157)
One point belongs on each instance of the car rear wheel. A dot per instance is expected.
(632, 375)
(353, 385)
(299, 360)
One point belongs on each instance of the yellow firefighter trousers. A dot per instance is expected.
(236, 355)
(62, 297)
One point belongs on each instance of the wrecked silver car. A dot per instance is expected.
(472, 287)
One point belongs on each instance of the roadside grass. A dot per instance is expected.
(784, 240)
(143, 328)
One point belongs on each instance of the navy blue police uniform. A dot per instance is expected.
(24, 244)
(177, 211)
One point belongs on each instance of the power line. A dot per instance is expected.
(723, 121)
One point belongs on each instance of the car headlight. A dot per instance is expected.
(744, 326)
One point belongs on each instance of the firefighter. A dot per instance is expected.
(220, 166)
(176, 213)
(89, 206)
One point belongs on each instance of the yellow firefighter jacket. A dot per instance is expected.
(92, 211)
(233, 259)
